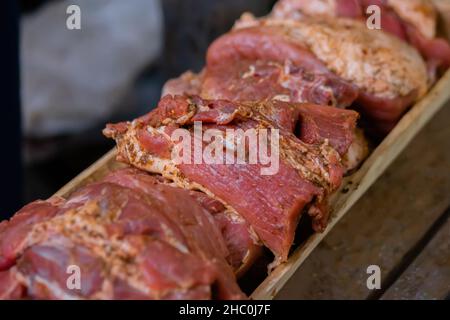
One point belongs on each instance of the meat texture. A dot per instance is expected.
(188, 83)
(242, 243)
(388, 73)
(259, 78)
(123, 244)
(309, 166)
(414, 21)
(443, 8)
(264, 78)
(263, 87)
(338, 63)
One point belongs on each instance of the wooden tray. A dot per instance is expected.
(353, 187)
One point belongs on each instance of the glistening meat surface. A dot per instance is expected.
(272, 205)
(337, 63)
(127, 245)
(241, 242)
(414, 21)
(263, 79)
(388, 73)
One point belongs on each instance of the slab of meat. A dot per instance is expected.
(189, 83)
(125, 244)
(272, 204)
(286, 83)
(389, 74)
(264, 89)
(336, 63)
(413, 21)
(260, 78)
(241, 241)
(13, 233)
(248, 79)
(10, 287)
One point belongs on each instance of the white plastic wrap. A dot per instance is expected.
(72, 79)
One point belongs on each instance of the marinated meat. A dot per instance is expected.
(242, 243)
(307, 173)
(126, 244)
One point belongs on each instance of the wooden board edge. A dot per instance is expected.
(358, 183)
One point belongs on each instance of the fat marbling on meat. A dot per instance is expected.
(242, 244)
(414, 21)
(308, 172)
(127, 244)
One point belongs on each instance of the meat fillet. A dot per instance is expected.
(124, 244)
(388, 74)
(240, 239)
(309, 169)
(414, 21)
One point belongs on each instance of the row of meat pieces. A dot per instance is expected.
(131, 236)
(296, 70)
(323, 52)
(187, 230)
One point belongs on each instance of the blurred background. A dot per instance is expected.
(61, 86)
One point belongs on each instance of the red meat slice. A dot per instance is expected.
(248, 80)
(242, 247)
(257, 64)
(272, 204)
(318, 84)
(13, 233)
(121, 237)
(10, 287)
